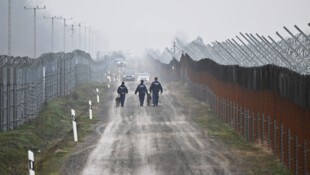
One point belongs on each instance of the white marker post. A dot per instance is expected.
(31, 162)
(109, 78)
(97, 90)
(90, 110)
(74, 125)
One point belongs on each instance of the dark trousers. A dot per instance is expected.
(122, 99)
(155, 99)
(141, 99)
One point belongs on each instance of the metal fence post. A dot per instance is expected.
(241, 121)
(281, 144)
(237, 119)
(253, 127)
(275, 136)
(269, 134)
(224, 111)
(306, 165)
(258, 129)
(234, 116)
(231, 116)
(263, 129)
(247, 121)
(228, 112)
(5, 100)
(1, 99)
(296, 155)
(289, 148)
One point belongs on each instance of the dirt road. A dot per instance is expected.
(155, 140)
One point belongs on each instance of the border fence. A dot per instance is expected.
(269, 105)
(290, 49)
(26, 84)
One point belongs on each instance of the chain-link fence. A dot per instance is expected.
(27, 84)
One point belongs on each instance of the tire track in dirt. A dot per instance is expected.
(156, 140)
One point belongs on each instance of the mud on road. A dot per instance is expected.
(149, 140)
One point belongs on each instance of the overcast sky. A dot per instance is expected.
(133, 25)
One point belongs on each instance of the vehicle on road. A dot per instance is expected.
(121, 64)
(143, 76)
(128, 75)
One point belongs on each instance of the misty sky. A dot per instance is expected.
(133, 25)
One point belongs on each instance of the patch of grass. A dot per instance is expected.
(49, 135)
(252, 158)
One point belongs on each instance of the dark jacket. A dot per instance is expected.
(141, 88)
(156, 87)
(122, 90)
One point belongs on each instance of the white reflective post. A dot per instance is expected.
(90, 110)
(31, 162)
(97, 90)
(75, 136)
(73, 114)
(109, 80)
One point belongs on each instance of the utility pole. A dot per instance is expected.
(96, 44)
(89, 40)
(9, 28)
(72, 36)
(80, 35)
(65, 19)
(52, 18)
(80, 40)
(92, 42)
(85, 40)
(34, 26)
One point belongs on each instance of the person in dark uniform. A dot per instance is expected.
(122, 91)
(154, 89)
(141, 88)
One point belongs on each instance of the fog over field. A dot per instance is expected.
(133, 26)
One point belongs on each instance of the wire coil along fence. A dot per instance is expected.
(249, 50)
(27, 84)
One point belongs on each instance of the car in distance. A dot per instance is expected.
(128, 75)
(121, 64)
(144, 76)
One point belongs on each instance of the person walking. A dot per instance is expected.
(141, 88)
(122, 91)
(154, 89)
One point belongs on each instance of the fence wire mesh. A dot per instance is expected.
(26, 84)
(268, 105)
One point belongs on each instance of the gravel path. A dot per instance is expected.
(155, 140)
